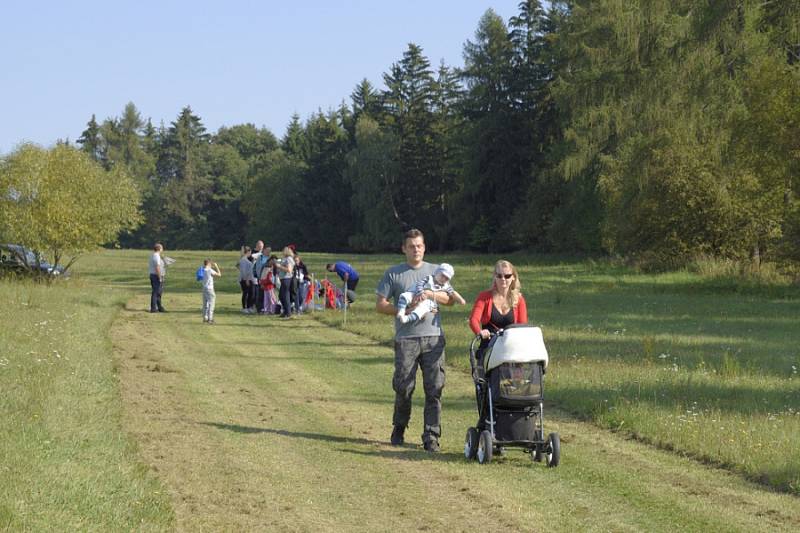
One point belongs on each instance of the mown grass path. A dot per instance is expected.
(260, 424)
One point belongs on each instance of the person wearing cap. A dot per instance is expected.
(438, 282)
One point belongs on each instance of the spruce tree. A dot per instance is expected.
(90, 139)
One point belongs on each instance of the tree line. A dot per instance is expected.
(649, 129)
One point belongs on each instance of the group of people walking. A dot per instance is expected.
(410, 292)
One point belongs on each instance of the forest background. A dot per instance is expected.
(658, 131)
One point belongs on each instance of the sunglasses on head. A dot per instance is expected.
(506, 276)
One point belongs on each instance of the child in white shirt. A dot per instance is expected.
(440, 281)
(210, 271)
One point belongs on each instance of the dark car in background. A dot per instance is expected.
(18, 259)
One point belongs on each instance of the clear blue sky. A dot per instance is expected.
(232, 62)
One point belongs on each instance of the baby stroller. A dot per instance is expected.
(509, 391)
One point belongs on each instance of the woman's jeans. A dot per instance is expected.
(247, 295)
(157, 288)
(285, 297)
(302, 293)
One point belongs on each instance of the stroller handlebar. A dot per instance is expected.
(472, 349)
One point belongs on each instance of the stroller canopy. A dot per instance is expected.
(517, 344)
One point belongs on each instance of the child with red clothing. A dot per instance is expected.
(267, 283)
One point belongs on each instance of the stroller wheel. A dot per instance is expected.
(485, 447)
(553, 455)
(471, 443)
(536, 456)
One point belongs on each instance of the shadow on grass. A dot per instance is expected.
(408, 452)
(294, 434)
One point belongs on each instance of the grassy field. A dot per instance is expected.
(64, 462)
(255, 423)
(704, 366)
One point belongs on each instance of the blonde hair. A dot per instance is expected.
(514, 287)
(287, 252)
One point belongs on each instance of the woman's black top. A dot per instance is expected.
(499, 321)
(300, 268)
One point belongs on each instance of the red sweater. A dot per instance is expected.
(482, 311)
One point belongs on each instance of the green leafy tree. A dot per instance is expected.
(319, 217)
(766, 143)
(61, 202)
(238, 155)
(250, 142)
(270, 201)
(372, 174)
(227, 224)
(645, 84)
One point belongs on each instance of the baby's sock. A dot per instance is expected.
(411, 317)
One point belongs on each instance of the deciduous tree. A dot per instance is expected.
(61, 202)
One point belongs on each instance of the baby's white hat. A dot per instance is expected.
(446, 269)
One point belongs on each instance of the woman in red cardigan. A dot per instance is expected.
(500, 306)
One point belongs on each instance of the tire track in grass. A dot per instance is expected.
(261, 424)
(285, 440)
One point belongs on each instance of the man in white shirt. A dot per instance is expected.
(157, 271)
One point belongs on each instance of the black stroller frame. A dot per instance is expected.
(521, 419)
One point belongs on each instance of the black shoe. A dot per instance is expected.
(432, 446)
(162, 310)
(154, 310)
(397, 435)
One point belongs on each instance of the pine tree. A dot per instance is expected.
(365, 100)
(409, 107)
(186, 184)
(90, 139)
(497, 142)
(294, 141)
